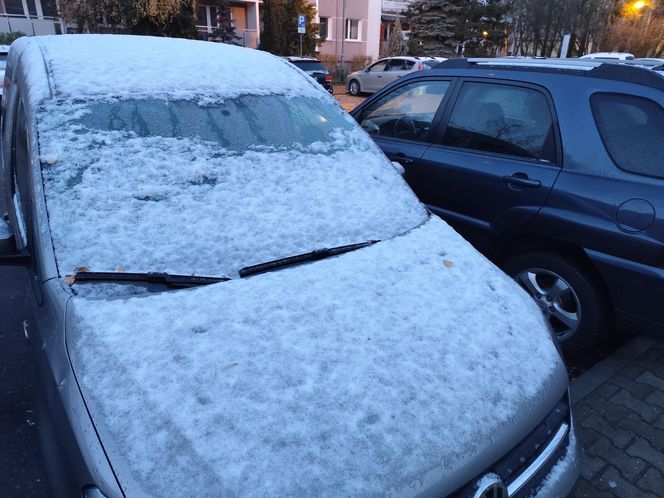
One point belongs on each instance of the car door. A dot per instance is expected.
(401, 120)
(494, 159)
(372, 79)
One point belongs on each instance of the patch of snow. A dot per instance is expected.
(372, 373)
(120, 65)
(551, 484)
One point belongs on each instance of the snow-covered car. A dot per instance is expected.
(236, 293)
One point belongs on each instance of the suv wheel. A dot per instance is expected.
(572, 300)
(354, 87)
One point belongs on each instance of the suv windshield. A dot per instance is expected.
(158, 185)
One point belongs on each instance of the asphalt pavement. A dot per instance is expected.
(22, 472)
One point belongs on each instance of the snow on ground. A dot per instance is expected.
(371, 373)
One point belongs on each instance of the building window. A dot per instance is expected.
(324, 23)
(202, 15)
(352, 29)
(49, 8)
(14, 7)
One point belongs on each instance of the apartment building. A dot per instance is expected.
(350, 27)
(389, 12)
(244, 13)
(32, 17)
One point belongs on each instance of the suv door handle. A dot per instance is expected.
(401, 158)
(522, 180)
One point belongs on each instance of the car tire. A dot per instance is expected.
(354, 87)
(570, 295)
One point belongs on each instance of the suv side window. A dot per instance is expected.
(502, 119)
(631, 129)
(407, 112)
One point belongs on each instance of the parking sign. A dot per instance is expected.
(301, 23)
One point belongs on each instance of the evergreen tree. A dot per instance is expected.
(225, 31)
(279, 35)
(395, 45)
(435, 25)
(441, 27)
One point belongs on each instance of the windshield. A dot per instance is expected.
(156, 185)
(3, 62)
(235, 125)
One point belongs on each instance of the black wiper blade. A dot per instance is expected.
(301, 258)
(178, 281)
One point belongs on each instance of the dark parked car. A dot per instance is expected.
(553, 169)
(315, 69)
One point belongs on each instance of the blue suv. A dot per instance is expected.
(554, 169)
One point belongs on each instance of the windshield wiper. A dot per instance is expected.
(177, 281)
(301, 258)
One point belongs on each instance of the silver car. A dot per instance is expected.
(385, 71)
(234, 292)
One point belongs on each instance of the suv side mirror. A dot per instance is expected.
(9, 256)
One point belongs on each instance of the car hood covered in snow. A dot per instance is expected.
(380, 371)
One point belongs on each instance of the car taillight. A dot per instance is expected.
(419, 66)
(328, 78)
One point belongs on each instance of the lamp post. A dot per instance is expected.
(342, 65)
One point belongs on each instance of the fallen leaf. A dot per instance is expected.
(70, 279)
(120, 269)
(448, 263)
(82, 269)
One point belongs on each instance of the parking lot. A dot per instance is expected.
(406, 338)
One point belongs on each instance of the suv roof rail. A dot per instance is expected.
(614, 70)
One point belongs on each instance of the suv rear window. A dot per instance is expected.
(311, 66)
(632, 129)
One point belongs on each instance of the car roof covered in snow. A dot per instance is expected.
(74, 66)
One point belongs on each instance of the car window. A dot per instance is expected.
(632, 129)
(502, 119)
(407, 112)
(408, 64)
(310, 66)
(378, 66)
(396, 65)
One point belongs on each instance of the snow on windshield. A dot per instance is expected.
(184, 187)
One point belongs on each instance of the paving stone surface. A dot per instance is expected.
(619, 415)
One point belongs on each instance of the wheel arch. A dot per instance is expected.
(524, 243)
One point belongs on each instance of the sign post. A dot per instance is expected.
(301, 28)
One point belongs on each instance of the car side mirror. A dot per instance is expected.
(399, 167)
(366, 69)
(9, 255)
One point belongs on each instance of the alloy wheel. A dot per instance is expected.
(555, 297)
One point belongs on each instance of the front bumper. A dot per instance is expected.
(562, 477)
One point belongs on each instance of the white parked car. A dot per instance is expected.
(379, 74)
(618, 56)
(235, 293)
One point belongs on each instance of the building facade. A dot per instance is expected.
(350, 28)
(31, 17)
(244, 13)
